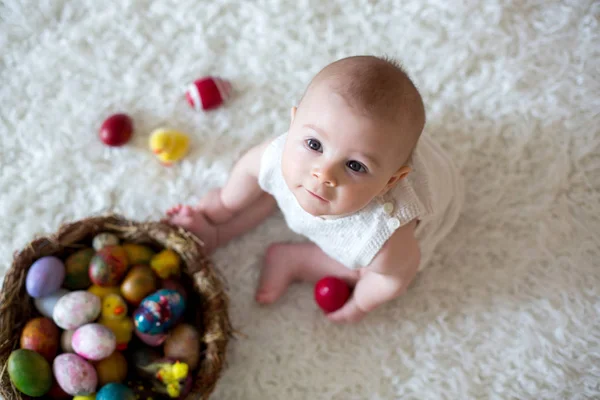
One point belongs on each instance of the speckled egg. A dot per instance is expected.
(103, 240)
(94, 341)
(45, 276)
(66, 340)
(76, 309)
(159, 312)
(41, 335)
(74, 374)
(77, 269)
(29, 372)
(112, 369)
(45, 305)
(109, 266)
(115, 391)
(137, 253)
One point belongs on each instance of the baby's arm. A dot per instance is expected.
(240, 191)
(387, 277)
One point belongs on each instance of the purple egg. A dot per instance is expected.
(45, 276)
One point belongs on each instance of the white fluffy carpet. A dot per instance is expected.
(509, 309)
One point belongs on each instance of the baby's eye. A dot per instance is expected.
(313, 144)
(356, 166)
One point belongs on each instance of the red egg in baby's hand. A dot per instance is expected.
(331, 293)
(116, 130)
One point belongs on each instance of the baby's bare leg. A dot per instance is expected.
(286, 263)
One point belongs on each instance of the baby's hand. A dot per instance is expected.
(195, 221)
(349, 313)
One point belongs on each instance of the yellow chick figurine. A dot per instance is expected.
(169, 145)
(114, 316)
(170, 375)
(165, 263)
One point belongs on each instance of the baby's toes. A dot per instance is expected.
(187, 211)
(173, 210)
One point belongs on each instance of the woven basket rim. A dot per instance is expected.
(216, 330)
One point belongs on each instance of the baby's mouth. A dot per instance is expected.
(317, 196)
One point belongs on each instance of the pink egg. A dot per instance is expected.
(152, 340)
(94, 342)
(74, 375)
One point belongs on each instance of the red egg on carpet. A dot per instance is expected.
(208, 93)
(116, 130)
(331, 293)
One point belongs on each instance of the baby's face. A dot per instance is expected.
(335, 160)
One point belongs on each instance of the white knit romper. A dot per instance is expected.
(432, 193)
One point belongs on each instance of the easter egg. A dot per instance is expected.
(151, 340)
(160, 311)
(66, 341)
(77, 266)
(139, 283)
(116, 130)
(42, 336)
(76, 309)
(111, 369)
(102, 291)
(208, 92)
(103, 240)
(94, 341)
(45, 276)
(137, 253)
(183, 344)
(29, 372)
(86, 397)
(115, 391)
(45, 305)
(75, 375)
(109, 266)
(331, 293)
(174, 284)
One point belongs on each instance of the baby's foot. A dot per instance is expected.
(195, 222)
(277, 274)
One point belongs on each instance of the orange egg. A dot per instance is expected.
(112, 369)
(41, 335)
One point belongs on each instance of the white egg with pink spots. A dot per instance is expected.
(94, 342)
(74, 375)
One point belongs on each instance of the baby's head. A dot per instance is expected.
(352, 135)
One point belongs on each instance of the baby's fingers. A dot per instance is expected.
(348, 313)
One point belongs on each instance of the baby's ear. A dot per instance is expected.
(397, 177)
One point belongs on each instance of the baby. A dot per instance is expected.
(355, 176)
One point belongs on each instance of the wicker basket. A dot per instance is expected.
(210, 316)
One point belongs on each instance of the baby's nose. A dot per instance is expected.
(325, 176)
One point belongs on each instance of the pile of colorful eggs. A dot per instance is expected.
(111, 326)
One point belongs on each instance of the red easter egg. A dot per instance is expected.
(331, 293)
(208, 92)
(116, 130)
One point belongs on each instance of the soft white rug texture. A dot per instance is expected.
(510, 307)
